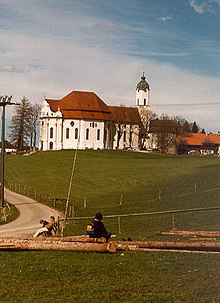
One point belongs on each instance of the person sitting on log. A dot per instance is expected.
(47, 227)
(96, 229)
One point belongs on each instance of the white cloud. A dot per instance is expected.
(54, 68)
(165, 18)
(204, 6)
(59, 53)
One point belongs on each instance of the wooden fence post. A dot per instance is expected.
(119, 225)
(173, 221)
(70, 211)
(3, 211)
(159, 197)
(195, 187)
(121, 200)
(84, 203)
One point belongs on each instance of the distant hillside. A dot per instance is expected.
(118, 182)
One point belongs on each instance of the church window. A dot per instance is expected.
(72, 123)
(67, 133)
(125, 136)
(51, 132)
(42, 123)
(130, 138)
(87, 134)
(51, 145)
(98, 134)
(76, 133)
(137, 101)
(144, 101)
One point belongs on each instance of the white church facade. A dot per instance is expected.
(82, 120)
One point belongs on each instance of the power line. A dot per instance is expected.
(186, 104)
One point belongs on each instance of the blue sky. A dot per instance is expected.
(50, 47)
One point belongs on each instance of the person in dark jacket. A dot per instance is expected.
(98, 228)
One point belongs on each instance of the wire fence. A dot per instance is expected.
(129, 206)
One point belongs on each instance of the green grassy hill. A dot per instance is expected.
(146, 183)
(117, 182)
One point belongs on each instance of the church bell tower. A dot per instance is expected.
(142, 93)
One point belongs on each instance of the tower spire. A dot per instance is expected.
(142, 92)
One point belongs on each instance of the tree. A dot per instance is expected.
(146, 116)
(184, 125)
(34, 122)
(164, 132)
(195, 127)
(20, 124)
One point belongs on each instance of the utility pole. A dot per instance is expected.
(4, 100)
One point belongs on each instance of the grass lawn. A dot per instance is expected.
(141, 183)
(10, 213)
(88, 277)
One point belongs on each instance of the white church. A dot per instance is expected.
(82, 120)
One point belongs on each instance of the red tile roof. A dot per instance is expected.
(164, 126)
(81, 105)
(122, 114)
(199, 139)
(87, 105)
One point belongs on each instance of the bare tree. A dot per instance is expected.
(146, 116)
(120, 124)
(164, 132)
(34, 123)
(20, 124)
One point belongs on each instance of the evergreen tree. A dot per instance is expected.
(195, 128)
(20, 124)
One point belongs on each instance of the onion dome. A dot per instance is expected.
(143, 85)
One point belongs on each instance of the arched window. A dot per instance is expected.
(98, 134)
(51, 132)
(105, 134)
(144, 101)
(51, 145)
(87, 134)
(76, 133)
(125, 136)
(67, 133)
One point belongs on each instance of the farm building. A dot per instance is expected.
(199, 144)
(9, 148)
(82, 119)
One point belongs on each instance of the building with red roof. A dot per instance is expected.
(196, 143)
(83, 120)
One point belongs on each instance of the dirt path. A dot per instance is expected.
(31, 212)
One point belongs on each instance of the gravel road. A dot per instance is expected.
(31, 212)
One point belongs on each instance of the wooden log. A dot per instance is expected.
(70, 239)
(197, 246)
(61, 239)
(190, 233)
(33, 244)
